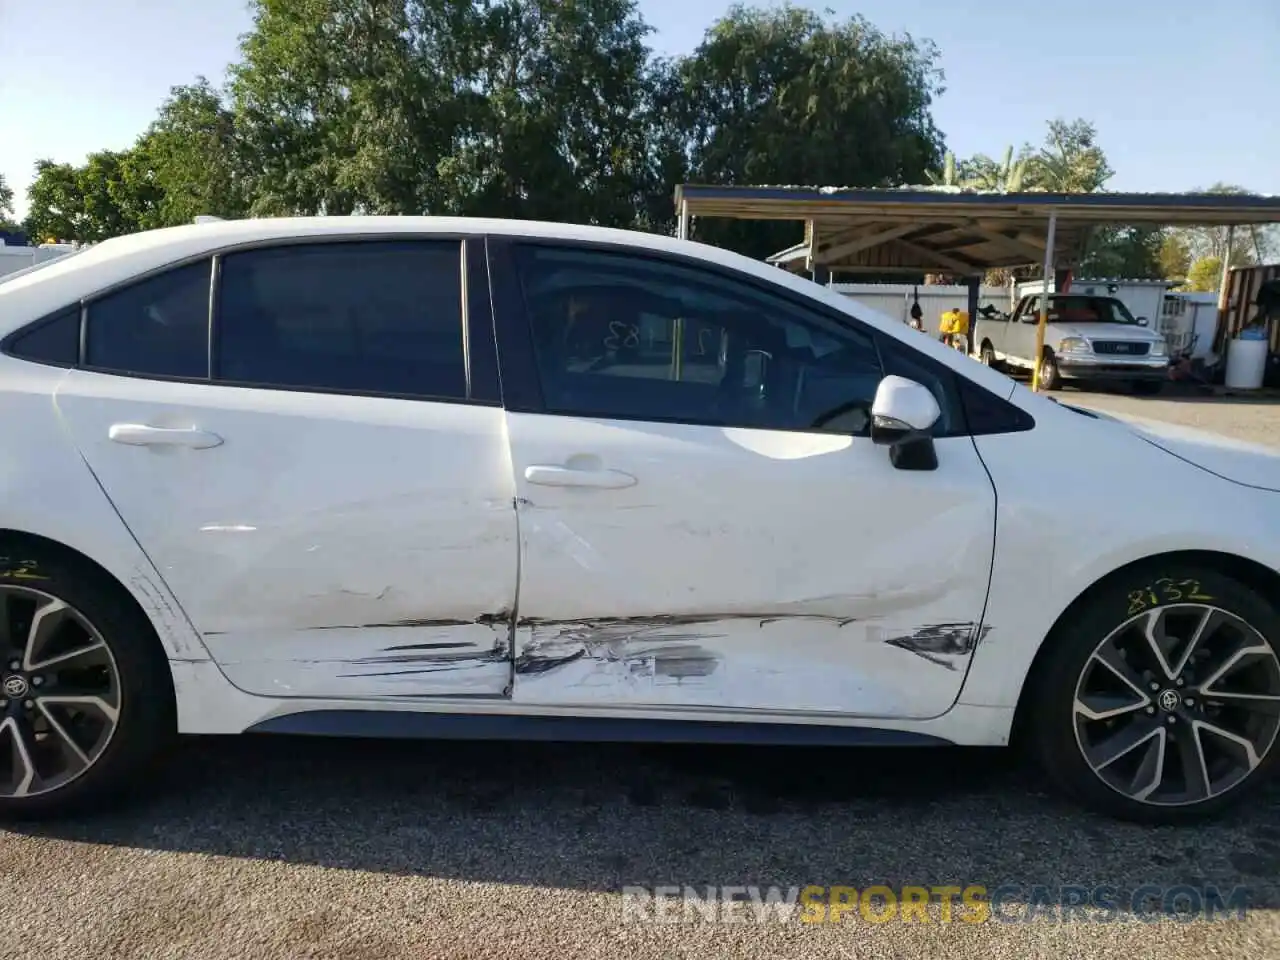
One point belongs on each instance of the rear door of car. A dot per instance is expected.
(325, 481)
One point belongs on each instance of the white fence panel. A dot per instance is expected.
(895, 299)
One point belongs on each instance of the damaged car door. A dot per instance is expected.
(325, 485)
(704, 520)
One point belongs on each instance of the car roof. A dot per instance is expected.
(120, 258)
(68, 280)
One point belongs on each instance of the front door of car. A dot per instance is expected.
(704, 520)
(333, 506)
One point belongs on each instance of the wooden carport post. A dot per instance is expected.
(1224, 290)
(1044, 301)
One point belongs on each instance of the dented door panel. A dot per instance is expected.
(325, 530)
(747, 570)
(414, 658)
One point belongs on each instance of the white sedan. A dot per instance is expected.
(420, 477)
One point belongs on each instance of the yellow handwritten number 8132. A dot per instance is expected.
(1166, 590)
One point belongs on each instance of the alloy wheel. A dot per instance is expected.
(59, 693)
(1178, 705)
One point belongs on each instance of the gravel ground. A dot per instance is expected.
(270, 848)
(1243, 417)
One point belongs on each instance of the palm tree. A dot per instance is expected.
(982, 173)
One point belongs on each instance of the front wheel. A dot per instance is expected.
(1049, 378)
(85, 695)
(1160, 701)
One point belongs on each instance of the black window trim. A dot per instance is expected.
(481, 373)
(521, 380)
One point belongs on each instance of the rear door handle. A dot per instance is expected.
(142, 435)
(550, 476)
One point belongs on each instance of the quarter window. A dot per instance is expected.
(380, 317)
(54, 340)
(155, 327)
(621, 336)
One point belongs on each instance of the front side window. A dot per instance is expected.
(635, 338)
(158, 326)
(377, 317)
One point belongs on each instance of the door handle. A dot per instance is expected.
(142, 435)
(549, 476)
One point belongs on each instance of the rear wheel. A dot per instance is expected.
(85, 694)
(987, 354)
(1161, 701)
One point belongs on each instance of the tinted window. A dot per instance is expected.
(621, 336)
(55, 339)
(158, 326)
(361, 317)
(987, 413)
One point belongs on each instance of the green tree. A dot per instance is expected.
(1249, 245)
(1005, 176)
(532, 108)
(6, 198)
(6, 207)
(1205, 274)
(56, 204)
(300, 91)
(95, 201)
(1128, 252)
(1069, 161)
(1174, 256)
(555, 124)
(981, 172)
(786, 96)
(189, 161)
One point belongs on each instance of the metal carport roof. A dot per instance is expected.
(954, 230)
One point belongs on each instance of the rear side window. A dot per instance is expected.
(380, 317)
(155, 327)
(54, 340)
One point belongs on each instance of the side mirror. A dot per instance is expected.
(1142, 321)
(902, 418)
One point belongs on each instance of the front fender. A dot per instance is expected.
(1064, 522)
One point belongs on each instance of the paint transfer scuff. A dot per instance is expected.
(938, 641)
(655, 647)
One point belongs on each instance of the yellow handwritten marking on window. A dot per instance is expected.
(1164, 591)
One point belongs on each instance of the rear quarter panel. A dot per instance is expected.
(47, 490)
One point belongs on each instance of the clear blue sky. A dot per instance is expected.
(1183, 92)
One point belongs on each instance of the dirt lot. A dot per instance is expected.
(1243, 417)
(288, 849)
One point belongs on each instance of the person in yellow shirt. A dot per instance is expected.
(954, 324)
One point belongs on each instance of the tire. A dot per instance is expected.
(987, 354)
(107, 659)
(1049, 379)
(1077, 705)
(1147, 388)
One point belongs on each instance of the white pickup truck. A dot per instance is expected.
(1086, 338)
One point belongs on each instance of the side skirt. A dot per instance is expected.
(383, 724)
